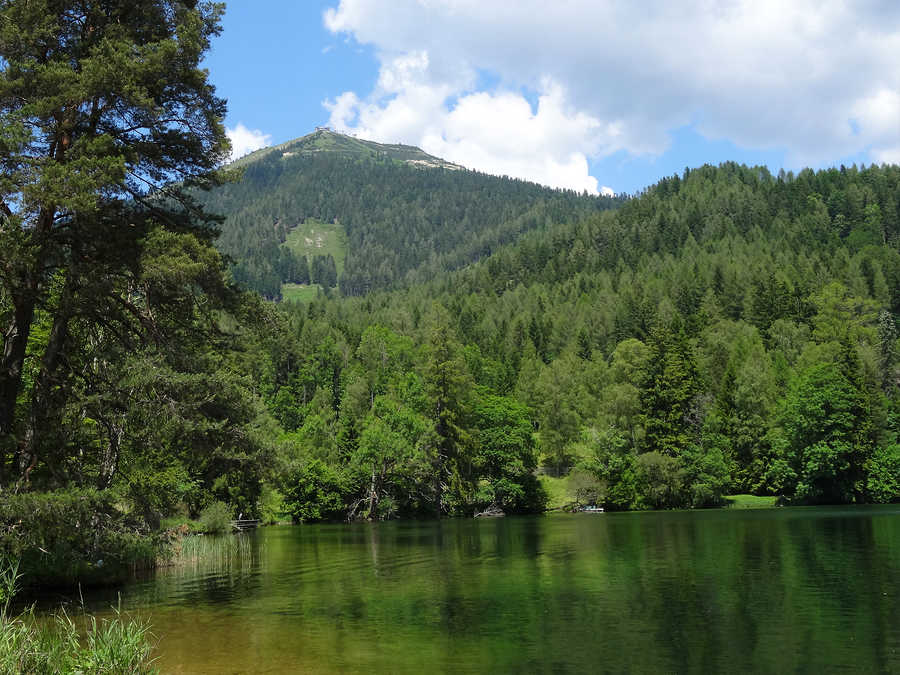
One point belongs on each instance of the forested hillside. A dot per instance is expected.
(406, 216)
(726, 331)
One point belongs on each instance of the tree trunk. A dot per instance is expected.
(15, 343)
(372, 496)
(110, 460)
(44, 386)
(15, 340)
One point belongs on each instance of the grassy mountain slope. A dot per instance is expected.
(313, 237)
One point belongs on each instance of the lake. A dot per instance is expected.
(774, 590)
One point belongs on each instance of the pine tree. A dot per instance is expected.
(102, 105)
(887, 351)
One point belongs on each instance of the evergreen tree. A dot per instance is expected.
(447, 383)
(668, 397)
(103, 104)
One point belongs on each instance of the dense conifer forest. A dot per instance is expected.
(726, 331)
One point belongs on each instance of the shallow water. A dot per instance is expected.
(781, 590)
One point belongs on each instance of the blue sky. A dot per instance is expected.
(587, 94)
(276, 66)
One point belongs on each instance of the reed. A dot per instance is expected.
(208, 553)
(32, 644)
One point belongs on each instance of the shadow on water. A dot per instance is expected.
(781, 590)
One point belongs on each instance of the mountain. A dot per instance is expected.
(332, 142)
(727, 331)
(334, 210)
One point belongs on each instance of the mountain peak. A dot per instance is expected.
(326, 140)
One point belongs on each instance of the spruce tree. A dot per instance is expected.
(669, 392)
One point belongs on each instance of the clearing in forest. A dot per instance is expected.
(299, 292)
(312, 238)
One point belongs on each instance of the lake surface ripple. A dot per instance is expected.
(778, 590)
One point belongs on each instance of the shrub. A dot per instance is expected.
(586, 487)
(883, 482)
(215, 518)
(315, 492)
(72, 535)
(271, 505)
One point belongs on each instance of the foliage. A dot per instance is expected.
(271, 506)
(504, 455)
(76, 534)
(820, 459)
(123, 397)
(216, 518)
(883, 482)
(315, 491)
(586, 488)
(102, 106)
(27, 645)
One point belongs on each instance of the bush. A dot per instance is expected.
(72, 535)
(586, 487)
(662, 480)
(215, 518)
(271, 505)
(883, 483)
(315, 492)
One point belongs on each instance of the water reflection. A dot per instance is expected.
(801, 590)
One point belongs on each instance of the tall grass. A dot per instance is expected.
(29, 644)
(209, 554)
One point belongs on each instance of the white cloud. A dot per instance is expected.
(817, 78)
(244, 140)
(607, 191)
(887, 155)
(496, 133)
(879, 114)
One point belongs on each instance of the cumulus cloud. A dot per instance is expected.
(244, 140)
(499, 133)
(586, 78)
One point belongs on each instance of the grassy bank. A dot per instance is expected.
(561, 492)
(749, 502)
(61, 644)
(557, 489)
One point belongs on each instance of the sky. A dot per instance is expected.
(597, 95)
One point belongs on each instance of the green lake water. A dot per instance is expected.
(778, 590)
